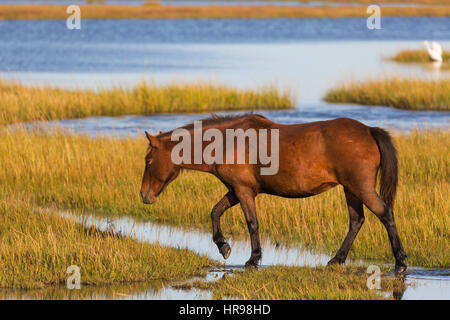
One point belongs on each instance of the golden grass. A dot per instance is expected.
(95, 1)
(23, 103)
(304, 283)
(36, 247)
(411, 94)
(103, 176)
(417, 56)
(27, 12)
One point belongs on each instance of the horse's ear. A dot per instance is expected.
(153, 140)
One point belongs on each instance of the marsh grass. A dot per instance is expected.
(107, 11)
(26, 103)
(410, 94)
(417, 56)
(421, 57)
(36, 247)
(300, 283)
(103, 176)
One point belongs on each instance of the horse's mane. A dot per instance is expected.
(216, 119)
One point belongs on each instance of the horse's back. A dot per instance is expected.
(316, 156)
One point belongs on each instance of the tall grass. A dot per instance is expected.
(411, 94)
(22, 103)
(305, 283)
(36, 248)
(27, 11)
(103, 176)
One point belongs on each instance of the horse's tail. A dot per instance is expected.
(388, 165)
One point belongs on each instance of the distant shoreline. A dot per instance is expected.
(53, 12)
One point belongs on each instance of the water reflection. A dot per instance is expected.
(154, 290)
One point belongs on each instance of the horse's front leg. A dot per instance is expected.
(247, 200)
(228, 201)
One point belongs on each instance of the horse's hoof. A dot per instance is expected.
(252, 262)
(225, 250)
(335, 261)
(400, 268)
(251, 265)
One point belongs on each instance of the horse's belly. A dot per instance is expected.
(298, 188)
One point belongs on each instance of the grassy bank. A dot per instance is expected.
(36, 247)
(421, 57)
(416, 56)
(411, 94)
(103, 176)
(26, 103)
(294, 283)
(32, 12)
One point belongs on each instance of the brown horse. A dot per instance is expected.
(313, 158)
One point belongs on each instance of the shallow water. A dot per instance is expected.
(201, 243)
(126, 126)
(423, 283)
(307, 56)
(155, 290)
(420, 283)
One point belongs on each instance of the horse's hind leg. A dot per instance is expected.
(228, 201)
(386, 216)
(356, 212)
(247, 199)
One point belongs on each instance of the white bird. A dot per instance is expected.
(434, 51)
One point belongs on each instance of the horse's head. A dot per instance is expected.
(159, 169)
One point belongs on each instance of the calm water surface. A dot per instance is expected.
(307, 56)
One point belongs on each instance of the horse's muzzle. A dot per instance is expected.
(146, 199)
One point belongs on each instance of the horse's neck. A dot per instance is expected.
(197, 167)
(202, 166)
(192, 165)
